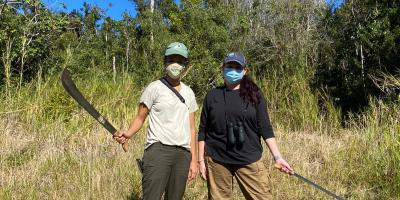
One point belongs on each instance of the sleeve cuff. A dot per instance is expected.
(201, 136)
(146, 103)
(268, 136)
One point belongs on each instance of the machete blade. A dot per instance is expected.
(73, 91)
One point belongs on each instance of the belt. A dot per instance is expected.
(170, 146)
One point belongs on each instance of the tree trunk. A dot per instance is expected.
(151, 31)
(23, 54)
(106, 47)
(3, 6)
(6, 58)
(127, 55)
(362, 66)
(114, 69)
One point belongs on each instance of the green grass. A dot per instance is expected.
(52, 149)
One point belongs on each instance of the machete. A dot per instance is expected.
(314, 184)
(72, 90)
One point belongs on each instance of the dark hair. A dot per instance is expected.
(249, 91)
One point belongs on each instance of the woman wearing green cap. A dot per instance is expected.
(169, 158)
(233, 121)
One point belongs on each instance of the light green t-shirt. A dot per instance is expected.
(168, 117)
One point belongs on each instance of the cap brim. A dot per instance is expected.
(234, 60)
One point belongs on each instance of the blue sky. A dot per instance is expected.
(116, 9)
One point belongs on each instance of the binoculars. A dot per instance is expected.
(235, 134)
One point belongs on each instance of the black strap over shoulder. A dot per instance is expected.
(165, 81)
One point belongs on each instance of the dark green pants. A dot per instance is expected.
(165, 169)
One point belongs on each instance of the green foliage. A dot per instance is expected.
(21, 157)
(361, 42)
(33, 35)
(378, 152)
(313, 64)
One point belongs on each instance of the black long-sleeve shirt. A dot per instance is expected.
(221, 106)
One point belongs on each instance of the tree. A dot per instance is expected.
(361, 42)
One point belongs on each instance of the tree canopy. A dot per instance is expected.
(336, 51)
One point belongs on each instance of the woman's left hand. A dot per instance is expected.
(193, 170)
(283, 166)
(203, 169)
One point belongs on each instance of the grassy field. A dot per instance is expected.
(52, 149)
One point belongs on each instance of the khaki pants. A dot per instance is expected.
(253, 180)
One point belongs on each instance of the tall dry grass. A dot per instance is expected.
(52, 149)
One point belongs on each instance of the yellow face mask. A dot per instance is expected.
(174, 70)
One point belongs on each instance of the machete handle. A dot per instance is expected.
(278, 166)
(125, 146)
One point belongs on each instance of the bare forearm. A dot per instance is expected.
(273, 148)
(193, 136)
(201, 150)
(193, 146)
(283, 165)
(134, 127)
(138, 121)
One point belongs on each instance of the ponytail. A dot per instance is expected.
(249, 91)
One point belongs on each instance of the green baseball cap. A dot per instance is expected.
(177, 48)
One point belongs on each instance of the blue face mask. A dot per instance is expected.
(233, 76)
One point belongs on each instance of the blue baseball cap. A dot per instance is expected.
(235, 57)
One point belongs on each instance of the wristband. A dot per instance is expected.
(277, 158)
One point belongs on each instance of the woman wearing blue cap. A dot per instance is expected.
(233, 121)
(169, 159)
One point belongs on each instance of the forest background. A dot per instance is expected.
(329, 73)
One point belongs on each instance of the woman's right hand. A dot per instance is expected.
(203, 169)
(120, 137)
